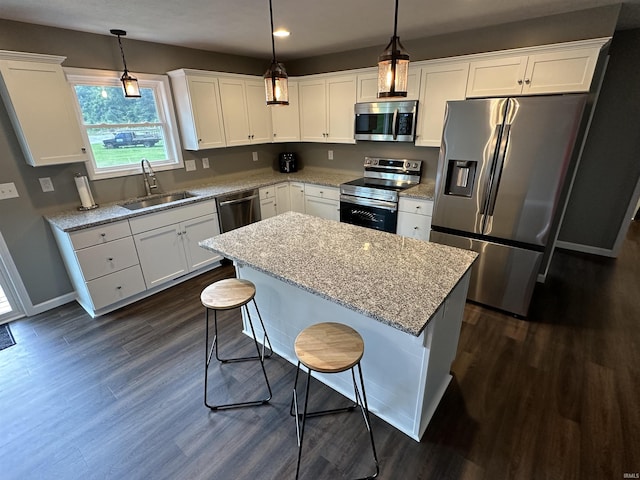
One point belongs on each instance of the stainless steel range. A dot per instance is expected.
(372, 201)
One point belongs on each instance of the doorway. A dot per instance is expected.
(10, 303)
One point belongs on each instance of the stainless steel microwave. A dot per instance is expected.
(386, 121)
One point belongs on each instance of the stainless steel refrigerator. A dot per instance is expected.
(500, 185)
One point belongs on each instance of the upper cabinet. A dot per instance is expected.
(246, 117)
(554, 69)
(40, 103)
(199, 112)
(368, 86)
(285, 119)
(441, 82)
(326, 108)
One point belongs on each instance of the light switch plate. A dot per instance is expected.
(255, 156)
(8, 190)
(205, 163)
(190, 165)
(46, 184)
(330, 155)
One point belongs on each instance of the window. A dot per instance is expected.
(122, 131)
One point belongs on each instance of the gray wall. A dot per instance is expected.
(28, 236)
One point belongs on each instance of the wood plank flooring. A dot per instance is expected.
(556, 396)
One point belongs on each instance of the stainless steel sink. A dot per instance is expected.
(157, 200)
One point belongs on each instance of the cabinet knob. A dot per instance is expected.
(199, 140)
(184, 232)
(110, 259)
(520, 82)
(119, 287)
(415, 228)
(527, 81)
(103, 235)
(417, 207)
(84, 150)
(179, 233)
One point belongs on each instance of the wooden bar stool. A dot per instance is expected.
(330, 348)
(226, 295)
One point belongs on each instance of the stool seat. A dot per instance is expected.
(329, 347)
(227, 294)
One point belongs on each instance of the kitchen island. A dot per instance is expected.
(405, 297)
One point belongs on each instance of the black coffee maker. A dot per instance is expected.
(288, 162)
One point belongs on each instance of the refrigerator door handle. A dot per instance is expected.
(495, 183)
(495, 139)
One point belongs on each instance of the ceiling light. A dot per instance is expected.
(275, 78)
(393, 66)
(281, 33)
(129, 83)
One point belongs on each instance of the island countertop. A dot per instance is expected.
(396, 280)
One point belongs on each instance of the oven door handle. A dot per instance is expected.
(368, 202)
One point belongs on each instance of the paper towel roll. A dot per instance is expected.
(82, 184)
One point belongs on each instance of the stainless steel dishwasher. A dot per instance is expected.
(238, 209)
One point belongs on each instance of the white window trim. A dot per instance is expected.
(160, 83)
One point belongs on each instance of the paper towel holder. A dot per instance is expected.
(86, 198)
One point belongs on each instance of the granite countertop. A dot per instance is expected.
(396, 280)
(72, 220)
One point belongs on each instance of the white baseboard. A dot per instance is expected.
(576, 247)
(52, 303)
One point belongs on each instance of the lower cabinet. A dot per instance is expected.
(296, 197)
(322, 201)
(414, 218)
(167, 242)
(274, 200)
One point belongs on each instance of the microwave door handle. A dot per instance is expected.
(394, 131)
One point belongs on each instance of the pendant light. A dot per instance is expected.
(393, 66)
(129, 83)
(275, 78)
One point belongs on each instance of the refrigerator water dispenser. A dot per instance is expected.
(460, 177)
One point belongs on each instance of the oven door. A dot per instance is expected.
(365, 212)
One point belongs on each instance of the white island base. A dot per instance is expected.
(405, 375)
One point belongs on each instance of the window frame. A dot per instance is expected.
(164, 104)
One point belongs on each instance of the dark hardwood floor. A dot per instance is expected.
(556, 396)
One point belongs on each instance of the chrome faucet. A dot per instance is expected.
(150, 181)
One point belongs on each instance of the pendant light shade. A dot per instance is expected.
(275, 78)
(393, 66)
(129, 83)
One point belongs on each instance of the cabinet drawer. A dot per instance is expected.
(115, 287)
(151, 221)
(413, 205)
(100, 260)
(267, 192)
(100, 234)
(320, 191)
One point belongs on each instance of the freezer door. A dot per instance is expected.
(502, 277)
(530, 169)
(470, 139)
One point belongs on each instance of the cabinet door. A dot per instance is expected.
(268, 208)
(368, 86)
(439, 84)
(322, 207)
(296, 195)
(234, 112)
(259, 113)
(313, 111)
(193, 232)
(413, 225)
(41, 107)
(341, 97)
(162, 256)
(207, 113)
(564, 71)
(497, 76)
(283, 198)
(286, 119)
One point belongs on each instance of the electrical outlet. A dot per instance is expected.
(205, 163)
(255, 156)
(46, 184)
(8, 190)
(190, 165)
(330, 155)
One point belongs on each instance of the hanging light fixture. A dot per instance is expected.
(129, 83)
(275, 78)
(393, 66)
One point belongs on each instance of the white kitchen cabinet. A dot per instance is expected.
(326, 108)
(441, 82)
(197, 99)
(40, 105)
(102, 263)
(246, 117)
(274, 200)
(561, 68)
(285, 119)
(414, 218)
(322, 201)
(367, 89)
(296, 197)
(167, 241)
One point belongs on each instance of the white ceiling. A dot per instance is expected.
(317, 27)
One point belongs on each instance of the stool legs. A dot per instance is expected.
(210, 350)
(361, 401)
